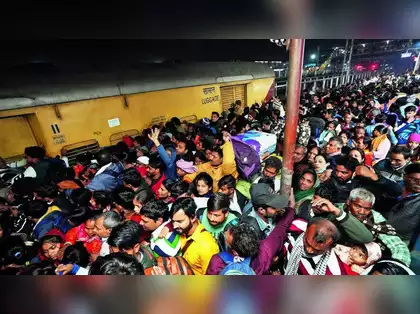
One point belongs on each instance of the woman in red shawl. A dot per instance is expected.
(85, 233)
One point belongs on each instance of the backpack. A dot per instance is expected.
(176, 265)
(248, 161)
(234, 268)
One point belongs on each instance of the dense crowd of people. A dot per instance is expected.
(174, 201)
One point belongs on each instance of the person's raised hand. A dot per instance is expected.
(322, 205)
(163, 233)
(292, 201)
(154, 136)
(226, 136)
(363, 171)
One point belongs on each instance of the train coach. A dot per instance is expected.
(69, 113)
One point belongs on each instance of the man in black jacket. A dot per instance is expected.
(237, 199)
(405, 215)
(349, 174)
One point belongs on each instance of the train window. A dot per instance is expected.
(80, 148)
(117, 137)
(230, 94)
(190, 119)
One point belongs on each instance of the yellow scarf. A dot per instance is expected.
(377, 141)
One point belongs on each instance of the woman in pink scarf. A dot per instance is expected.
(84, 233)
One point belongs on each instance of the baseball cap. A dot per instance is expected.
(263, 194)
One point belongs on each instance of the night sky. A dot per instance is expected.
(91, 51)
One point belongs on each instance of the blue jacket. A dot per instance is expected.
(170, 162)
(108, 180)
(55, 219)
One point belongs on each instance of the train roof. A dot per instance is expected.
(22, 88)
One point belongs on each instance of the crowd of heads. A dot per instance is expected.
(174, 191)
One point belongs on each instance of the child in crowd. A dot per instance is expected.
(413, 144)
(359, 256)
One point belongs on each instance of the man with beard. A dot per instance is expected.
(359, 205)
(269, 175)
(263, 209)
(342, 177)
(228, 186)
(349, 174)
(217, 215)
(197, 245)
(309, 249)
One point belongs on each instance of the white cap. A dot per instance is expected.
(144, 160)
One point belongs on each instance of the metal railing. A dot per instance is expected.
(326, 81)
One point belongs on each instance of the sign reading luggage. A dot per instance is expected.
(210, 95)
(59, 139)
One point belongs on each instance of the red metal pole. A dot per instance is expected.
(296, 51)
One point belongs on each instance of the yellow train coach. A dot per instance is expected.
(70, 113)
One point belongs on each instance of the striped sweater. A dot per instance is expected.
(168, 246)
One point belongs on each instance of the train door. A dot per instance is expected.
(15, 136)
(230, 94)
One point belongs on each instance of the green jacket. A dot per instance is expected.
(215, 231)
(352, 230)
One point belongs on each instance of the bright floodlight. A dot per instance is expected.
(387, 42)
(364, 45)
(313, 56)
(277, 41)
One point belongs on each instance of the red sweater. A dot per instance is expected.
(156, 185)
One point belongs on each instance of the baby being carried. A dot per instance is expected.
(359, 256)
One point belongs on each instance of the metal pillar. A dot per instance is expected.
(350, 55)
(297, 47)
(345, 55)
(323, 84)
(416, 66)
